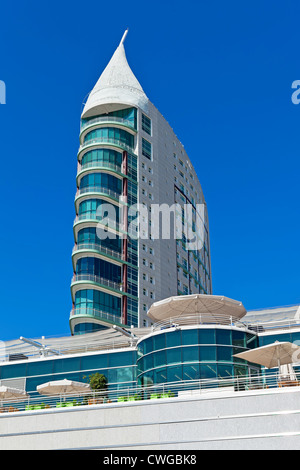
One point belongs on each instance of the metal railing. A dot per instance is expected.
(98, 189)
(97, 247)
(198, 319)
(105, 222)
(105, 140)
(98, 280)
(190, 389)
(100, 314)
(101, 164)
(104, 119)
(259, 326)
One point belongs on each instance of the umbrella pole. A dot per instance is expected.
(278, 362)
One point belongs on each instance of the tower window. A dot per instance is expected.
(146, 148)
(146, 124)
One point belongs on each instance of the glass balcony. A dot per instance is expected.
(97, 314)
(113, 224)
(107, 120)
(105, 141)
(97, 247)
(101, 164)
(100, 190)
(97, 280)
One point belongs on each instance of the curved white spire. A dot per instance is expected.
(116, 86)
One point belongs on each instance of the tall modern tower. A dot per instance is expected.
(128, 156)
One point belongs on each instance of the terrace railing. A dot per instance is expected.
(172, 390)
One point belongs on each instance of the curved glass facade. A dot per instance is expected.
(98, 267)
(192, 353)
(88, 236)
(105, 273)
(101, 180)
(92, 208)
(105, 156)
(111, 133)
(88, 300)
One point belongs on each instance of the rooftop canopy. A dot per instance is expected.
(216, 305)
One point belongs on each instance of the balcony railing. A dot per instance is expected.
(101, 164)
(107, 119)
(198, 319)
(106, 140)
(98, 280)
(97, 247)
(110, 223)
(99, 189)
(179, 391)
(98, 314)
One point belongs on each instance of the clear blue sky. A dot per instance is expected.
(220, 73)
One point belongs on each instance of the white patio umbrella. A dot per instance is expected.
(213, 306)
(61, 387)
(272, 355)
(11, 394)
(7, 393)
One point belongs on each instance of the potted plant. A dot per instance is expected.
(98, 382)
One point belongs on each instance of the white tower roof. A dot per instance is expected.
(116, 88)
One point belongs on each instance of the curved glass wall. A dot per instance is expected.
(128, 114)
(101, 180)
(111, 133)
(88, 236)
(192, 353)
(97, 209)
(93, 302)
(105, 156)
(90, 267)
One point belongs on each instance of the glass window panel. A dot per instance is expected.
(160, 376)
(66, 365)
(148, 362)
(173, 338)
(207, 336)
(173, 355)
(191, 372)
(99, 361)
(121, 359)
(174, 373)
(224, 371)
(125, 374)
(190, 354)
(272, 338)
(295, 337)
(238, 338)
(189, 336)
(159, 358)
(40, 367)
(120, 374)
(208, 371)
(223, 336)
(147, 379)
(159, 342)
(9, 371)
(208, 353)
(148, 345)
(224, 353)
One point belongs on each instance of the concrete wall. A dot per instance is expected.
(240, 420)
